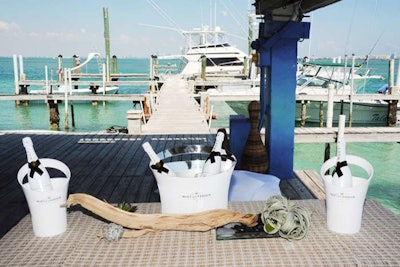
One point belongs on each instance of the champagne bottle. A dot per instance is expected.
(212, 165)
(156, 162)
(342, 174)
(38, 177)
(227, 158)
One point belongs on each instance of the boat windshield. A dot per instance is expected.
(229, 61)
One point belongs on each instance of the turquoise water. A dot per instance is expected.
(385, 185)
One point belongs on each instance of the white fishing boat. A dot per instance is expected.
(363, 113)
(314, 77)
(62, 89)
(345, 79)
(220, 56)
(208, 49)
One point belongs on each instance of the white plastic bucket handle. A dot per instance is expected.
(48, 217)
(351, 159)
(48, 163)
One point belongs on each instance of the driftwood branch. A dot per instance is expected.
(202, 221)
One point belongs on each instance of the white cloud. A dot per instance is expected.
(124, 38)
(52, 34)
(33, 34)
(8, 27)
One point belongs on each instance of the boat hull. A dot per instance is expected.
(81, 91)
(363, 113)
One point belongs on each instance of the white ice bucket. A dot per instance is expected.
(344, 205)
(48, 216)
(186, 193)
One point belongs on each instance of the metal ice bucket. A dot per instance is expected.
(187, 193)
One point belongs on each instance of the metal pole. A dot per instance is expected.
(16, 80)
(398, 76)
(68, 86)
(46, 73)
(329, 120)
(329, 112)
(21, 68)
(351, 91)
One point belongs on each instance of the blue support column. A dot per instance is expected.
(277, 48)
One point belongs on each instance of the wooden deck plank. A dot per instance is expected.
(137, 172)
(312, 180)
(295, 189)
(114, 172)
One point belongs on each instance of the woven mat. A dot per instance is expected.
(378, 243)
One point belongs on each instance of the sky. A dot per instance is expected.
(141, 28)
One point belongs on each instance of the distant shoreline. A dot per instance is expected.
(360, 57)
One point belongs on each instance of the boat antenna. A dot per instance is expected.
(235, 16)
(376, 43)
(350, 28)
(164, 14)
(366, 60)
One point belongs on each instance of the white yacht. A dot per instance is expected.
(220, 57)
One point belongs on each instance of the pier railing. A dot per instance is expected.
(392, 100)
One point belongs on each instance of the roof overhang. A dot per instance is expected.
(289, 9)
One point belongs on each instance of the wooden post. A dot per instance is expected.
(115, 68)
(107, 41)
(76, 61)
(245, 65)
(203, 67)
(54, 115)
(72, 114)
(303, 113)
(94, 88)
(392, 113)
(392, 105)
(321, 114)
(24, 91)
(154, 66)
(60, 68)
(75, 86)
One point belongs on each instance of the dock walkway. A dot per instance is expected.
(176, 110)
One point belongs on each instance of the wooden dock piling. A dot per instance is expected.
(392, 113)
(303, 114)
(54, 115)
